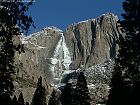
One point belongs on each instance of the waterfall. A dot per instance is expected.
(67, 59)
(60, 61)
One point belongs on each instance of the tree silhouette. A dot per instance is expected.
(128, 59)
(116, 93)
(81, 93)
(15, 101)
(21, 99)
(39, 97)
(13, 20)
(54, 100)
(5, 100)
(66, 95)
(27, 103)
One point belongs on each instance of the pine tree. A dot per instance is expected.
(5, 100)
(81, 93)
(15, 101)
(12, 15)
(116, 93)
(128, 59)
(21, 99)
(39, 97)
(53, 99)
(131, 26)
(27, 103)
(66, 95)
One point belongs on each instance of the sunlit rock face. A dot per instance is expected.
(34, 62)
(43, 52)
(93, 41)
(55, 55)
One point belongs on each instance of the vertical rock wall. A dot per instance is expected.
(93, 41)
(52, 54)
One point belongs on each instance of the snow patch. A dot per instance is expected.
(68, 72)
(53, 28)
(93, 86)
(83, 21)
(61, 59)
(40, 47)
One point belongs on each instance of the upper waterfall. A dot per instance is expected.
(61, 60)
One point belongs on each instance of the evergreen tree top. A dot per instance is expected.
(53, 99)
(39, 83)
(131, 16)
(39, 97)
(14, 14)
(21, 99)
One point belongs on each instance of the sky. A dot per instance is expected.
(61, 13)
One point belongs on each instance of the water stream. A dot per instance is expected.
(60, 61)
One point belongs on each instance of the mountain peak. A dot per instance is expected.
(99, 18)
(52, 28)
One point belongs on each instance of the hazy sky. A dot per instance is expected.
(61, 13)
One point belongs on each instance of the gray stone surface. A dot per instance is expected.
(34, 62)
(93, 41)
(49, 52)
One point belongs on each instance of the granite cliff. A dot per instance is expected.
(93, 41)
(54, 54)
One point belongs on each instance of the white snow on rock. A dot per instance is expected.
(53, 28)
(61, 59)
(40, 47)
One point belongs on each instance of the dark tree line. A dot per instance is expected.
(76, 95)
(72, 94)
(13, 21)
(81, 93)
(125, 82)
(39, 97)
(66, 95)
(54, 99)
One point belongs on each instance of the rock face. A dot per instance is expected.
(39, 48)
(93, 41)
(53, 54)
